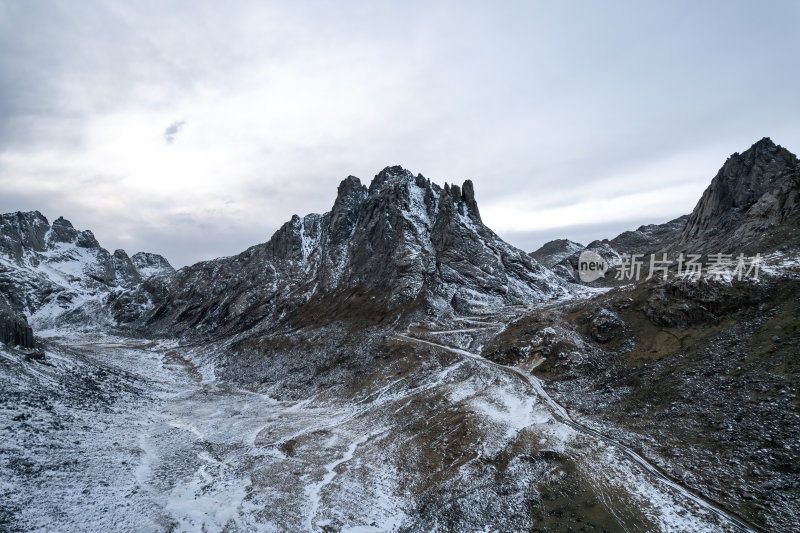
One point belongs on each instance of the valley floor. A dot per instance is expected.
(115, 434)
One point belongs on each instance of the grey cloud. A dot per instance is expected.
(172, 130)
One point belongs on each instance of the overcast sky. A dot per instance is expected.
(196, 129)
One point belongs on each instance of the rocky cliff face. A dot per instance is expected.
(403, 243)
(754, 193)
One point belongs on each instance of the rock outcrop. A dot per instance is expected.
(14, 328)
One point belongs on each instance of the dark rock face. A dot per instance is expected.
(124, 270)
(404, 243)
(21, 231)
(754, 192)
(14, 329)
(62, 231)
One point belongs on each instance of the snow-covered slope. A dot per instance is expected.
(113, 434)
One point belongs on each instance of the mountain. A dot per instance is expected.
(646, 239)
(148, 265)
(50, 271)
(553, 252)
(649, 238)
(697, 373)
(393, 365)
(402, 245)
(752, 204)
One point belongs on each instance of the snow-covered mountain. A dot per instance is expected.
(393, 365)
(47, 271)
(553, 252)
(149, 265)
(403, 243)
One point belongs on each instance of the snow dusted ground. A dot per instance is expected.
(70, 430)
(115, 434)
(122, 435)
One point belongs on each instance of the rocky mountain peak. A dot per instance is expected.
(468, 195)
(753, 191)
(63, 222)
(404, 243)
(350, 187)
(394, 173)
(20, 231)
(462, 199)
(124, 269)
(62, 231)
(553, 252)
(749, 174)
(47, 271)
(350, 195)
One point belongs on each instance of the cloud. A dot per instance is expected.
(547, 108)
(172, 130)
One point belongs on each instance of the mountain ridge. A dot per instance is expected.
(381, 366)
(404, 240)
(409, 244)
